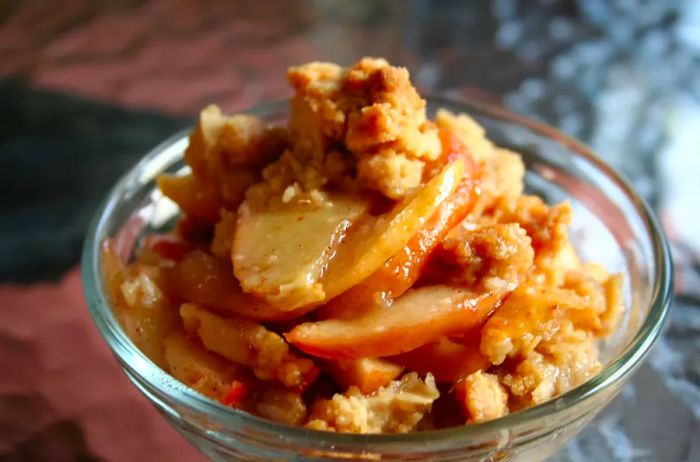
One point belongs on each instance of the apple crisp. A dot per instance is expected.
(359, 266)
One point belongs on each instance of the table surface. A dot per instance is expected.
(87, 88)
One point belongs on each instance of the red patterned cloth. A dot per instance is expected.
(62, 394)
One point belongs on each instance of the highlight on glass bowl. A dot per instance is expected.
(361, 273)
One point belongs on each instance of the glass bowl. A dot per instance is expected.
(612, 225)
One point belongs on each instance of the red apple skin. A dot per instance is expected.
(418, 317)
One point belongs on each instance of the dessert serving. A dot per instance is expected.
(362, 268)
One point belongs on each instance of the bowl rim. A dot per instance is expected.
(163, 384)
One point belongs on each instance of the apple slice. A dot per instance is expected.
(210, 374)
(416, 318)
(249, 344)
(194, 196)
(281, 250)
(374, 241)
(136, 295)
(202, 278)
(367, 374)
(401, 271)
(448, 361)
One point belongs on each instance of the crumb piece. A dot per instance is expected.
(390, 172)
(290, 192)
(502, 174)
(558, 364)
(488, 253)
(141, 291)
(226, 153)
(482, 397)
(371, 108)
(468, 131)
(611, 317)
(396, 408)
(222, 141)
(546, 225)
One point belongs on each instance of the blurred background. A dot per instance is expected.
(86, 88)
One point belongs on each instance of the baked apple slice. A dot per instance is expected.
(194, 196)
(374, 241)
(249, 344)
(418, 317)
(367, 374)
(280, 250)
(205, 279)
(401, 271)
(448, 361)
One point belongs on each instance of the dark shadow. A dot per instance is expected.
(59, 155)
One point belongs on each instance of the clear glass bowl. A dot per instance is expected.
(612, 225)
